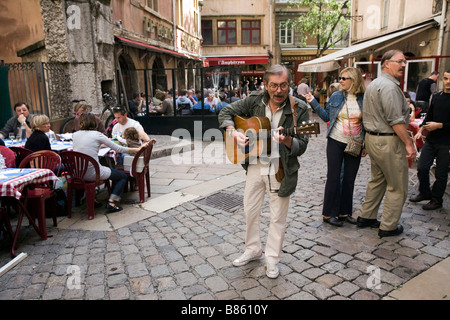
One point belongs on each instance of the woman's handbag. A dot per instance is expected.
(354, 146)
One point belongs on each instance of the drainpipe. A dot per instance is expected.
(174, 25)
(271, 27)
(442, 27)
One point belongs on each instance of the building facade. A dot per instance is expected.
(237, 41)
(103, 46)
(417, 27)
(288, 49)
(157, 45)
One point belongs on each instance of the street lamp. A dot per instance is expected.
(345, 13)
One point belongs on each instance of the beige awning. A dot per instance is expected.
(319, 67)
(328, 62)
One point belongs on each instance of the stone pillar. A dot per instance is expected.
(80, 34)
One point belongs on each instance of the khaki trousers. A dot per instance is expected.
(389, 180)
(257, 184)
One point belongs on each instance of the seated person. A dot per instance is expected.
(14, 124)
(198, 108)
(184, 105)
(135, 105)
(131, 140)
(2, 143)
(9, 158)
(192, 97)
(81, 108)
(123, 122)
(165, 107)
(212, 100)
(40, 124)
(222, 104)
(39, 140)
(88, 141)
(412, 107)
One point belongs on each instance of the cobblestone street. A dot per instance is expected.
(185, 252)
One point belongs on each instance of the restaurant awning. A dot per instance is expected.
(235, 60)
(328, 62)
(141, 45)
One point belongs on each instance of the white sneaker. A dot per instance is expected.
(246, 258)
(272, 270)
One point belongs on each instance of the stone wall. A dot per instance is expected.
(80, 34)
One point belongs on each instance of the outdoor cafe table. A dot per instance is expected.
(14, 184)
(59, 145)
(55, 145)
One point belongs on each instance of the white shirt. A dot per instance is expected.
(118, 129)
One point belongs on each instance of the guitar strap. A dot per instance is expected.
(294, 106)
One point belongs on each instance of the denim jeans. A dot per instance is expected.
(119, 181)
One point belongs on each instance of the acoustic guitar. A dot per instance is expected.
(258, 131)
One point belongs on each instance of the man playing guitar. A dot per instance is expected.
(277, 106)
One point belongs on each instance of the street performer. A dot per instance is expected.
(275, 104)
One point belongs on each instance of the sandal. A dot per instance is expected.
(111, 207)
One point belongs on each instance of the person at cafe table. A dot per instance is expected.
(81, 108)
(14, 124)
(40, 125)
(123, 122)
(88, 141)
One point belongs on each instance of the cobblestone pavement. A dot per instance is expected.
(185, 253)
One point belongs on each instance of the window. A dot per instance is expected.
(226, 32)
(152, 4)
(385, 21)
(286, 34)
(207, 31)
(251, 32)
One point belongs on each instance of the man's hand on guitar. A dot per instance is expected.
(281, 138)
(239, 137)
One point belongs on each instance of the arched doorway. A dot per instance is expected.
(159, 78)
(128, 81)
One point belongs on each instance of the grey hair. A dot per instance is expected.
(277, 69)
(388, 55)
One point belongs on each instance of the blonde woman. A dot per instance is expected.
(38, 140)
(344, 112)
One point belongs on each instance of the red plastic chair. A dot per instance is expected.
(142, 176)
(36, 197)
(9, 155)
(76, 164)
(21, 153)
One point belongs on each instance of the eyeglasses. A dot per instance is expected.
(399, 61)
(275, 86)
(344, 78)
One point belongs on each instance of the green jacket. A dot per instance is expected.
(255, 105)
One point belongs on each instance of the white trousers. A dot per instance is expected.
(257, 184)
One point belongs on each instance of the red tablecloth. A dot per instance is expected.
(12, 181)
